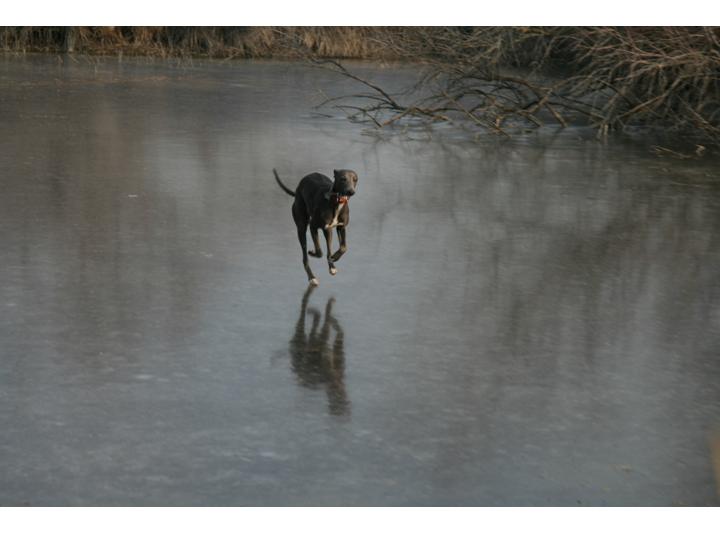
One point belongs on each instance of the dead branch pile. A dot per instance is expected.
(502, 78)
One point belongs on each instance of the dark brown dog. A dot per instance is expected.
(321, 203)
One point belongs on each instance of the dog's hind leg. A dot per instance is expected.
(328, 241)
(316, 242)
(343, 244)
(301, 221)
(302, 236)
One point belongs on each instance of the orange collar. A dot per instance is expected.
(338, 199)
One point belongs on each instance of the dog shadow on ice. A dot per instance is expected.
(317, 353)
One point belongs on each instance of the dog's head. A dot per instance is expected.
(345, 182)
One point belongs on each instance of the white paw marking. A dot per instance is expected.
(333, 271)
(314, 281)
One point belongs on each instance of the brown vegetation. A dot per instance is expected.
(215, 41)
(500, 78)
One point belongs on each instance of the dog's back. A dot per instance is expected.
(312, 189)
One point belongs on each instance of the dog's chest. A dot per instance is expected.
(335, 221)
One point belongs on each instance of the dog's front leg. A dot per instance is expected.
(328, 241)
(343, 244)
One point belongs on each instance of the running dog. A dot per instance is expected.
(321, 203)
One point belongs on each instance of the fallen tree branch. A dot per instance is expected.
(612, 78)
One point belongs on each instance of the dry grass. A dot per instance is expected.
(216, 42)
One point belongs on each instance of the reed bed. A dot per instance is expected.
(213, 42)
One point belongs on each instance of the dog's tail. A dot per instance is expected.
(284, 188)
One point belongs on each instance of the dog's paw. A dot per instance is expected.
(317, 254)
(333, 271)
(314, 282)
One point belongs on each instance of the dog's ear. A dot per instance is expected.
(336, 173)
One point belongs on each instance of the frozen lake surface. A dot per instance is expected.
(534, 322)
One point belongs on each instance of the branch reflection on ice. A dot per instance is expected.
(317, 360)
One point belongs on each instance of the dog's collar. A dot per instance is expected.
(336, 198)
